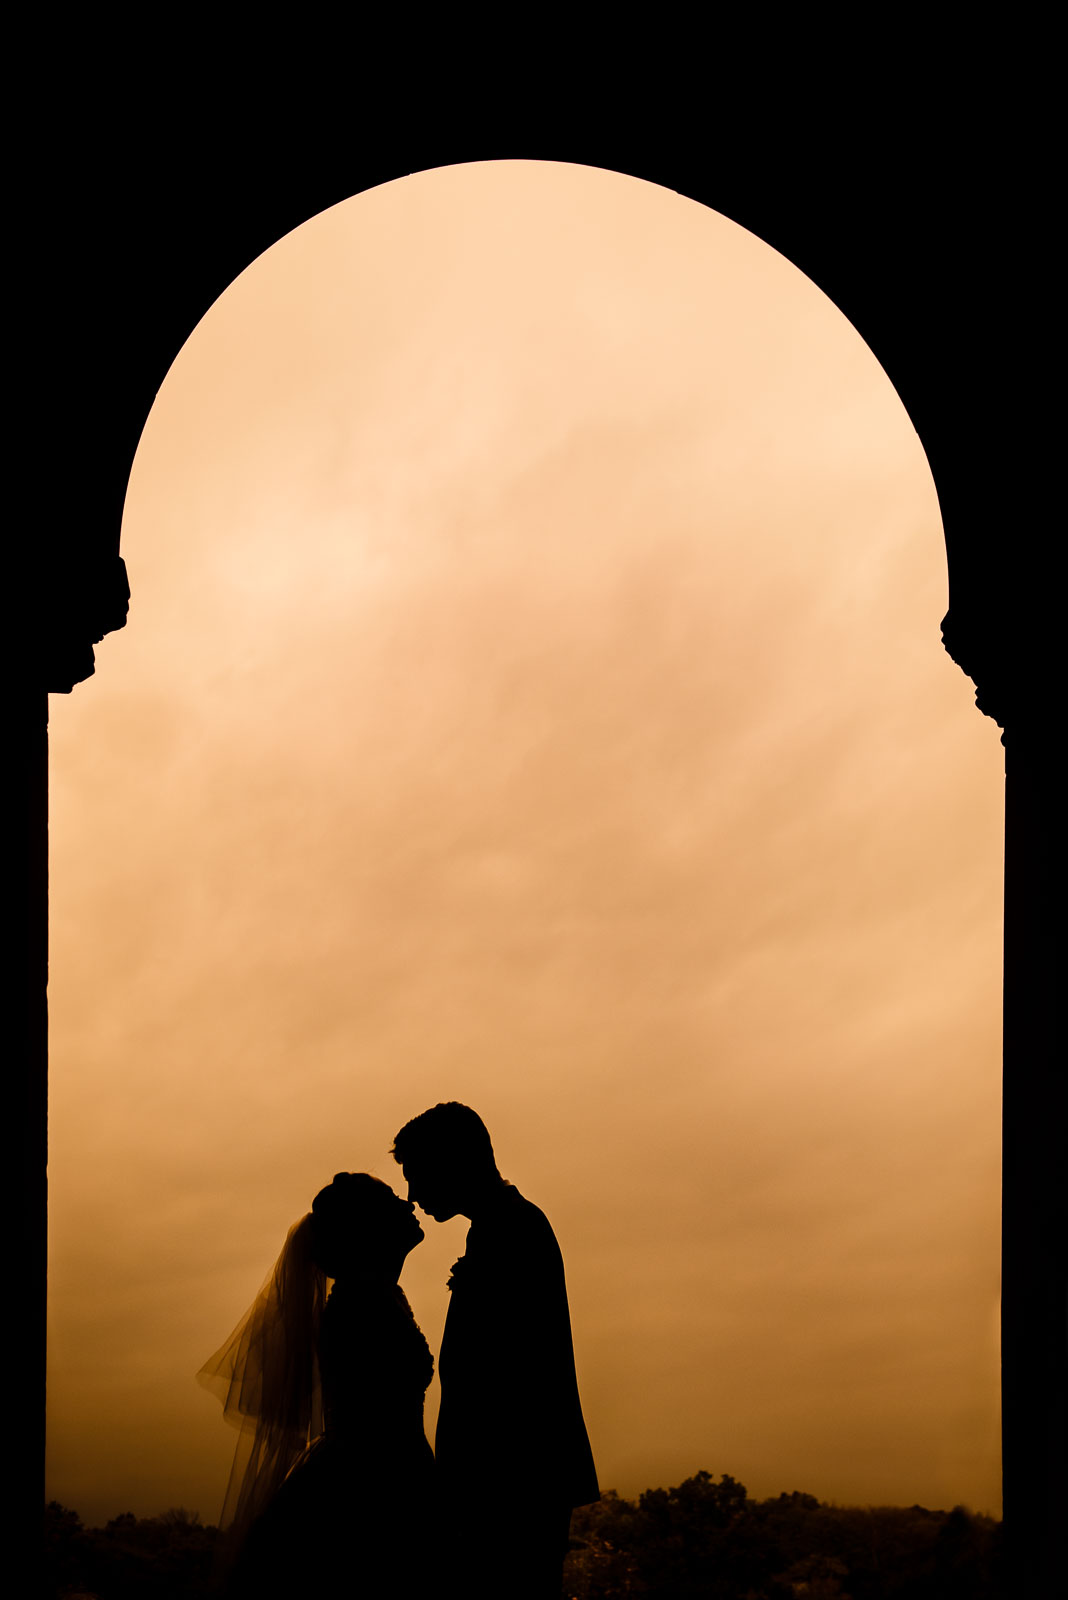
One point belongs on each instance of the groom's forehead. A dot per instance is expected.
(422, 1164)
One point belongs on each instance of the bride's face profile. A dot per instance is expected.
(400, 1221)
(363, 1226)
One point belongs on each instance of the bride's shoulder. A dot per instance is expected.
(353, 1308)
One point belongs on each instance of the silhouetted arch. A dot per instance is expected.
(866, 215)
(895, 301)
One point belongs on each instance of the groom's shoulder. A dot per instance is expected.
(519, 1208)
(527, 1221)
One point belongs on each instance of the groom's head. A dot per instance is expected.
(447, 1159)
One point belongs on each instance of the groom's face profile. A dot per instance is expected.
(432, 1188)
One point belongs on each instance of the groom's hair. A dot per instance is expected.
(450, 1130)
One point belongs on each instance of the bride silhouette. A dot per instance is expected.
(333, 1474)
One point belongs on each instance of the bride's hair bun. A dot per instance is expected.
(336, 1209)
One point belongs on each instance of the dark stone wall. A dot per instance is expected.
(913, 191)
(896, 205)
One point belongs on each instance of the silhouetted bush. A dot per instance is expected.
(708, 1541)
(701, 1540)
(150, 1558)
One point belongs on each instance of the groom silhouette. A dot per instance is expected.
(513, 1456)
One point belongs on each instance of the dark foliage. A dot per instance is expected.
(702, 1540)
(708, 1541)
(151, 1558)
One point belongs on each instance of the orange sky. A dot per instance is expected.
(533, 696)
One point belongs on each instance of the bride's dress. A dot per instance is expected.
(356, 1511)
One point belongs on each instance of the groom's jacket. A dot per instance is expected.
(510, 1419)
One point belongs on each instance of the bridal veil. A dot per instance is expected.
(267, 1377)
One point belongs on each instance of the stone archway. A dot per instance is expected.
(88, 597)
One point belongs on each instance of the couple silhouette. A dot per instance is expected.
(334, 1486)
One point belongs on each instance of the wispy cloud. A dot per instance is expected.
(533, 695)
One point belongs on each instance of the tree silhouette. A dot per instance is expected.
(703, 1539)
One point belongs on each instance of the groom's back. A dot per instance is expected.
(510, 1420)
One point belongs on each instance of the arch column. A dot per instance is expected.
(1034, 1328)
(1007, 657)
(88, 596)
